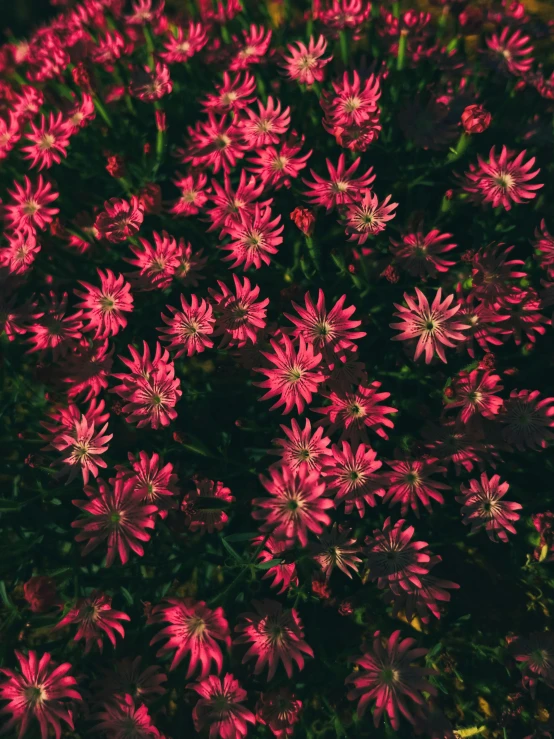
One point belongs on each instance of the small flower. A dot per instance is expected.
(306, 64)
(368, 217)
(41, 594)
(181, 45)
(95, 617)
(156, 264)
(155, 483)
(193, 196)
(201, 506)
(304, 219)
(335, 548)
(277, 167)
(31, 207)
(388, 676)
(120, 719)
(351, 475)
(120, 219)
(274, 635)
(214, 144)
(127, 677)
(483, 507)
(252, 49)
(284, 574)
(194, 630)
(528, 419)
(103, 307)
(266, 126)
(188, 330)
(303, 449)
(254, 238)
(234, 93)
(240, 316)
(220, 709)
(280, 711)
(230, 202)
(191, 264)
(536, 655)
(410, 483)
(150, 85)
(54, 330)
(475, 394)
(49, 142)
(512, 52)
(83, 445)
(475, 119)
(341, 188)
(421, 254)
(21, 253)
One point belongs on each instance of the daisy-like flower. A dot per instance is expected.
(475, 395)
(544, 243)
(535, 654)
(353, 413)
(493, 274)
(368, 217)
(277, 167)
(388, 676)
(95, 617)
(410, 484)
(295, 379)
(127, 677)
(48, 141)
(421, 254)
(279, 711)
(203, 506)
(150, 85)
(433, 326)
(10, 133)
(188, 330)
(266, 126)
(483, 507)
(21, 253)
(342, 188)
(145, 11)
(114, 514)
(38, 691)
(526, 320)
(335, 548)
(108, 49)
(86, 370)
(284, 574)
(254, 238)
(104, 306)
(273, 635)
(394, 559)
(154, 482)
(156, 264)
(54, 330)
(194, 195)
(120, 219)
(502, 180)
(31, 207)
(297, 504)
(354, 102)
(240, 316)
(27, 102)
(306, 64)
(81, 114)
(304, 449)
(234, 93)
(528, 419)
(453, 443)
(350, 474)
(181, 45)
(482, 318)
(230, 203)
(220, 709)
(215, 144)
(83, 445)
(193, 630)
(191, 264)
(252, 49)
(331, 332)
(121, 719)
(511, 51)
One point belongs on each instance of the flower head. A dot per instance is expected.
(368, 217)
(95, 617)
(410, 484)
(103, 307)
(528, 419)
(357, 411)
(254, 238)
(342, 188)
(335, 548)
(511, 51)
(304, 449)
(49, 141)
(31, 207)
(120, 219)
(280, 711)
(483, 507)
(350, 473)
(421, 254)
(306, 64)
(204, 507)
(240, 316)
(121, 719)
(188, 330)
(220, 709)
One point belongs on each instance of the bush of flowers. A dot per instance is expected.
(276, 289)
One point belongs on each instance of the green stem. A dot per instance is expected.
(461, 146)
(343, 38)
(102, 110)
(402, 43)
(313, 251)
(149, 46)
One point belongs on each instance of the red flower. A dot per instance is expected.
(304, 219)
(277, 167)
(21, 253)
(121, 718)
(41, 594)
(188, 330)
(266, 126)
(120, 219)
(280, 711)
(409, 484)
(512, 52)
(475, 119)
(475, 393)
(103, 307)
(232, 94)
(230, 203)
(95, 617)
(388, 676)
(420, 254)
(354, 103)
(214, 144)
(284, 574)
(116, 515)
(306, 64)
(157, 264)
(239, 315)
(183, 45)
(273, 635)
(253, 47)
(39, 691)
(342, 188)
(193, 195)
(49, 142)
(297, 505)
(303, 449)
(200, 506)
(31, 207)
(154, 482)
(150, 85)
(335, 548)
(254, 237)
(528, 419)
(368, 217)
(483, 507)
(219, 708)
(116, 166)
(351, 475)
(194, 630)
(10, 133)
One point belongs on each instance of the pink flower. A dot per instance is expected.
(103, 307)
(191, 264)
(335, 548)
(54, 330)
(188, 330)
(21, 253)
(83, 445)
(10, 133)
(388, 676)
(95, 617)
(266, 126)
(126, 677)
(329, 332)
(194, 630)
(410, 483)
(239, 315)
(219, 708)
(512, 52)
(528, 419)
(303, 449)
(297, 505)
(150, 85)
(306, 64)
(354, 102)
(120, 718)
(284, 574)
(475, 394)
(350, 474)
(493, 274)
(120, 219)
(536, 655)
(354, 412)
(279, 711)
(483, 507)
(341, 188)
(544, 242)
(39, 691)
(343, 14)
(295, 378)
(156, 264)
(254, 237)
(433, 326)
(253, 48)
(475, 119)
(232, 94)
(420, 254)
(368, 217)
(277, 167)
(214, 144)
(80, 114)
(193, 196)
(273, 635)
(200, 506)
(41, 594)
(154, 482)
(114, 514)
(31, 207)
(395, 561)
(183, 45)
(49, 142)
(502, 180)
(230, 203)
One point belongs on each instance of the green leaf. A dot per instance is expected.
(127, 595)
(248, 536)
(4, 595)
(231, 551)
(8, 505)
(270, 563)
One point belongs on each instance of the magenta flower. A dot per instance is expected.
(279, 711)
(103, 307)
(335, 548)
(493, 274)
(215, 144)
(295, 379)
(303, 449)
(38, 691)
(22, 250)
(297, 505)
(253, 47)
(188, 330)
(194, 630)
(220, 709)
(31, 207)
(277, 167)
(265, 127)
(273, 635)
(351, 475)
(354, 102)
(149, 84)
(240, 316)
(528, 419)
(388, 676)
(114, 514)
(483, 507)
(230, 202)
(421, 254)
(475, 395)
(95, 617)
(200, 506)
(191, 264)
(55, 330)
(433, 326)
(234, 93)
(155, 482)
(156, 264)
(306, 63)
(120, 718)
(535, 654)
(284, 574)
(511, 51)
(254, 238)
(193, 197)
(183, 45)
(410, 483)
(48, 141)
(83, 445)
(368, 217)
(341, 188)
(120, 219)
